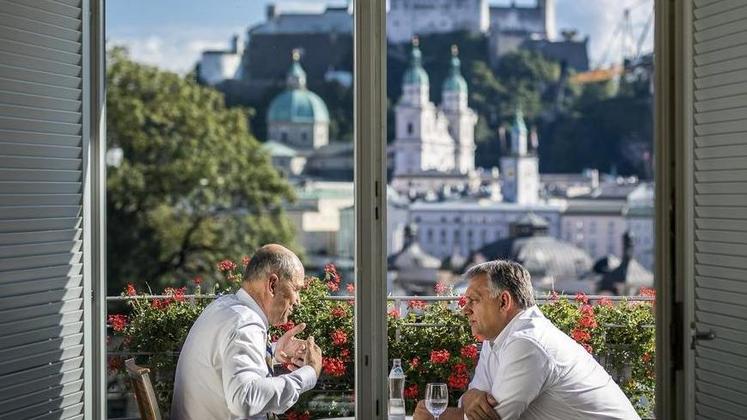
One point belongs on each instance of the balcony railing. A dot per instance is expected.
(123, 399)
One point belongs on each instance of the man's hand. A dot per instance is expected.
(289, 350)
(478, 405)
(313, 356)
(421, 413)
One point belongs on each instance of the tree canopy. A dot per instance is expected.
(193, 186)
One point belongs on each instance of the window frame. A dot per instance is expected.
(369, 40)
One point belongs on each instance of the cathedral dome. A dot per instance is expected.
(455, 82)
(297, 104)
(415, 74)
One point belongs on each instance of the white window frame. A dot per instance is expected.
(370, 210)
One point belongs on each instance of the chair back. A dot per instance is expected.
(144, 393)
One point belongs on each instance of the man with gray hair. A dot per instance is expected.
(528, 369)
(225, 369)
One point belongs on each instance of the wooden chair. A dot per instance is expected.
(144, 393)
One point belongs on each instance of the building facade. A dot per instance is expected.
(407, 18)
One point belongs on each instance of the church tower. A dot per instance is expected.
(520, 168)
(422, 141)
(461, 118)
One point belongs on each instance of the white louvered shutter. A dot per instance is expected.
(719, 157)
(41, 206)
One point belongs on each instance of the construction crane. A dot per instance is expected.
(629, 48)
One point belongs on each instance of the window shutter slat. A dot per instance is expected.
(41, 209)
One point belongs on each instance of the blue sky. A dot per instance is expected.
(172, 33)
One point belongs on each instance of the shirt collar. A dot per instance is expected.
(511, 326)
(249, 301)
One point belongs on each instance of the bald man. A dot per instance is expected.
(225, 369)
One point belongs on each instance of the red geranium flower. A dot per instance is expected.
(416, 304)
(440, 356)
(338, 312)
(333, 286)
(295, 415)
(580, 336)
(469, 351)
(345, 354)
(330, 273)
(582, 298)
(554, 296)
(411, 392)
(415, 362)
(462, 302)
(394, 313)
(198, 280)
(647, 291)
(131, 290)
(160, 303)
(458, 381)
(586, 309)
(333, 366)
(226, 265)
(118, 322)
(338, 337)
(605, 301)
(245, 261)
(587, 321)
(440, 288)
(350, 288)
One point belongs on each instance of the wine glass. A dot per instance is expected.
(436, 398)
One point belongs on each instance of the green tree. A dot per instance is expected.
(193, 186)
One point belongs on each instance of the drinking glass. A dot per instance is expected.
(436, 398)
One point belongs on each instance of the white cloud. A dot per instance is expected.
(174, 48)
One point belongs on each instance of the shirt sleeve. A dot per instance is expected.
(522, 371)
(247, 388)
(481, 379)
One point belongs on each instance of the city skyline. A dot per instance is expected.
(175, 43)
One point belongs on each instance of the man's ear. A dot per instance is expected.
(505, 299)
(272, 284)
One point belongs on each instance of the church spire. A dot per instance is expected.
(519, 134)
(455, 82)
(415, 74)
(296, 78)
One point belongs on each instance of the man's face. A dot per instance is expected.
(487, 315)
(287, 296)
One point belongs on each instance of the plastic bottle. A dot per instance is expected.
(396, 391)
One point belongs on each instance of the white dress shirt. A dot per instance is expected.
(222, 372)
(536, 372)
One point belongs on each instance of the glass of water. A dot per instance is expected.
(436, 398)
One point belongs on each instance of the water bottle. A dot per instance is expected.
(396, 391)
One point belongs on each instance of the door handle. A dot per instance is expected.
(702, 335)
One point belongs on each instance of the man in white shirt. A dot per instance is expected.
(528, 369)
(225, 366)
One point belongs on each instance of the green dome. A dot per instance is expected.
(415, 74)
(298, 106)
(455, 81)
